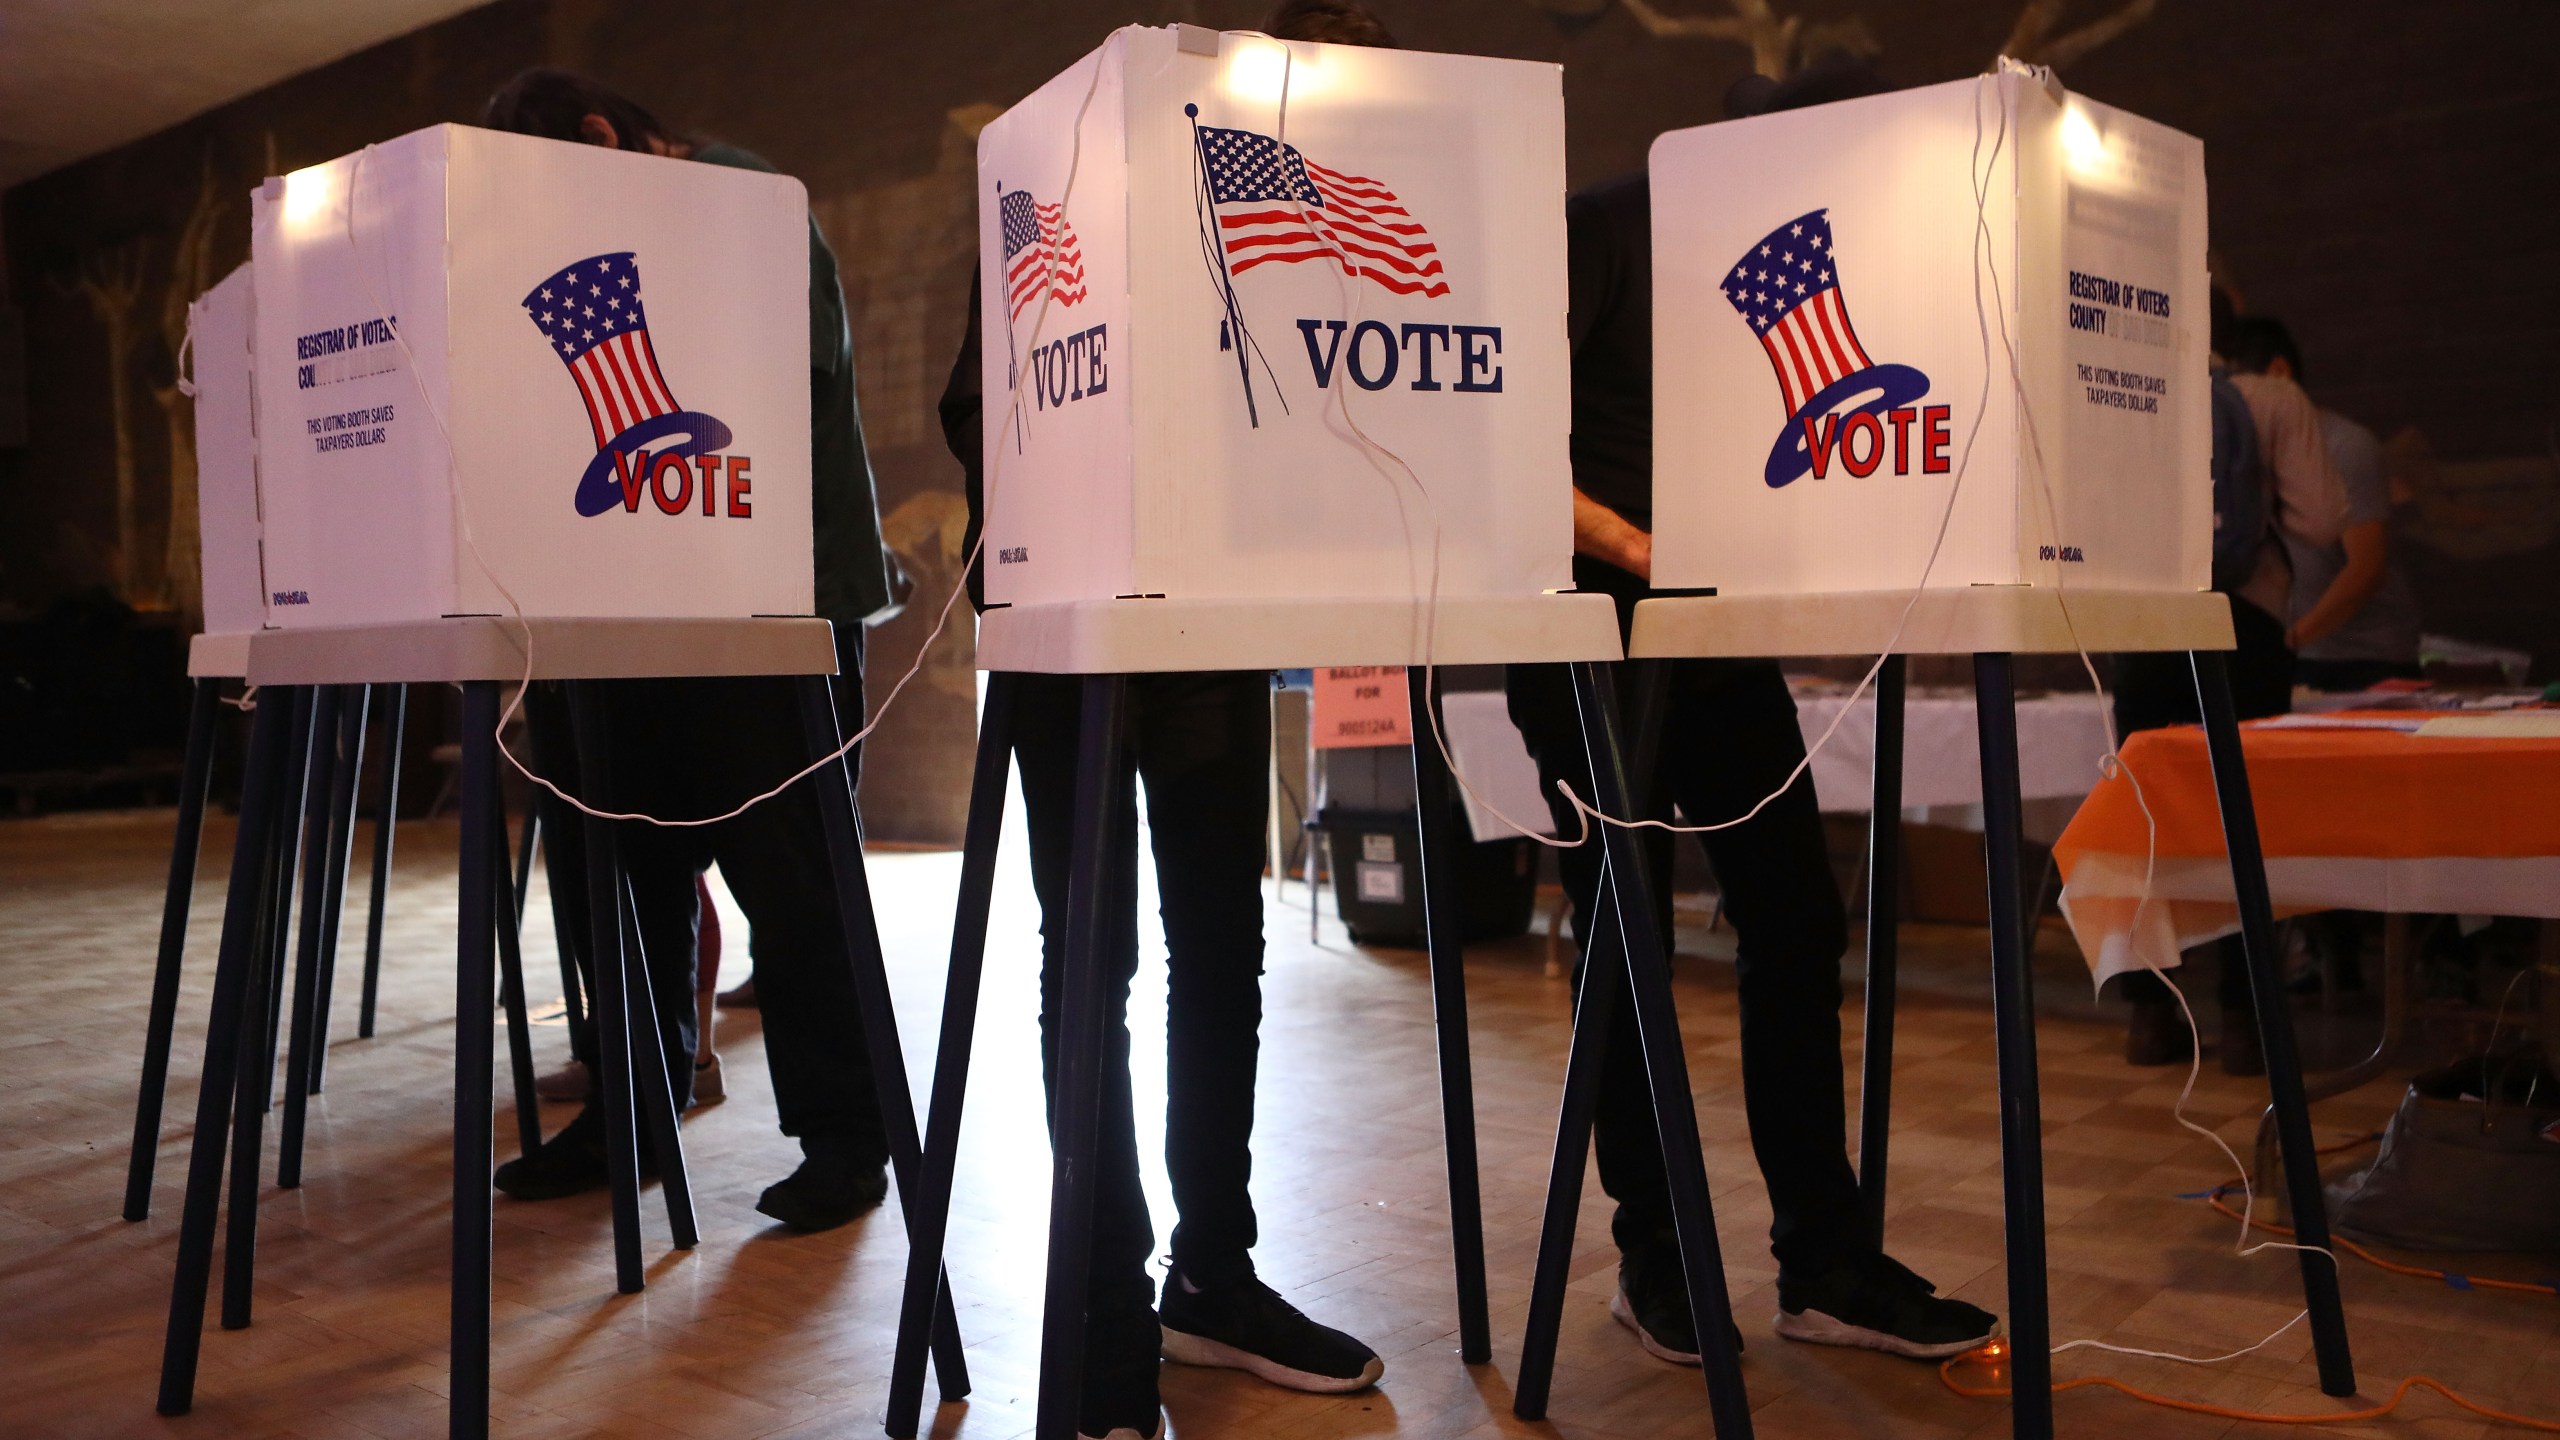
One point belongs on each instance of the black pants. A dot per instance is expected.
(689, 748)
(1729, 736)
(1202, 742)
(2157, 690)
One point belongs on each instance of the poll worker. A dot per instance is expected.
(2294, 499)
(684, 749)
(2352, 620)
(1201, 742)
(1729, 737)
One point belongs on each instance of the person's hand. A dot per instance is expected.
(1635, 556)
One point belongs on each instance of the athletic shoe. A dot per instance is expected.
(1119, 1400)
(835, 1183)
(1245, 1325)
(1872, 1302)
(569, 1163)
(708, 1086)
(1653, 1301)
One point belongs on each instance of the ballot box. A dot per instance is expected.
(1275, 320)
(1989, 289)
(505, 375)
(218, 324)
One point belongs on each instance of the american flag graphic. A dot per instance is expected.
(1274, 205)
(1787, 288)
(1039, 246)
(590, 312)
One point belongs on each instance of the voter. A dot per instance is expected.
(1729, 737)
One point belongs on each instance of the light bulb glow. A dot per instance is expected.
(2083, 148)
(307, 197)
(1258, 70)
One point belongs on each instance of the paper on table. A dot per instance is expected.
(2410, 724)
(2512, 725)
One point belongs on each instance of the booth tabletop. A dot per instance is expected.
(1964, 620)
(488, 647)
(2350, 818)
(1141, 635)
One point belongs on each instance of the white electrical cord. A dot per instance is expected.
(462, 519)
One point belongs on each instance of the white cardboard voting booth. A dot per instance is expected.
(1200, 298)
(218, 327)
(1819, 360)
(616, 343)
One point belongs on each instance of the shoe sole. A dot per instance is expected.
(1625, 1314)
(1184, 1348)
(1813, 1327)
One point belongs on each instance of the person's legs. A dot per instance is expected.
(1737, 742)
(1653, 1299)
(1122, 1339)
(1203, 745)
(708, 1084)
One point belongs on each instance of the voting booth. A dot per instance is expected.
(502, 374)
(1823, 288)
(218, 327)
(1212, 263)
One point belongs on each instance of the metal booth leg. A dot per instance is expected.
(254, 1090)
(1604, 977)
(1884, 938)
(529, 843)
(1602, 986)
(1443, 924)
(2275, 1025)
(475, 974)
(1666, 1063)
(311, 949)
(2013, 1015)
(386, 819)
(613, 1080)
(243, 920)
(928, 1205)
(1103, 792)
(511, 978)
(651, 1080)
(355, 710)
(879, 1019)
(203, 714)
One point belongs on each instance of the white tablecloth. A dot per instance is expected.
(2060, 740)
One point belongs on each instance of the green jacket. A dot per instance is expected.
(852, 565)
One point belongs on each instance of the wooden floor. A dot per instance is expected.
(760, 1332)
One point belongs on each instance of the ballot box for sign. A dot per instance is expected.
(1931, 379)
(1275, 376)
(1829, 290)
(1213, 264)
(499, 374)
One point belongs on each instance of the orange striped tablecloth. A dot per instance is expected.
(2359, 819)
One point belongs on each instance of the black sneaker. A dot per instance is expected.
(1120, 1400)
(1653, 1301)
(569, 1163)
(1872, 1302)
(1245, 1325)
(835, 1183)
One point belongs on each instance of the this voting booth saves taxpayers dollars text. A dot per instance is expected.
(218, 325)
(1820, 361)
(1246, 254)
(616, 346)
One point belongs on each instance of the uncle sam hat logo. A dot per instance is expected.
(591, 313)
(1787, 289)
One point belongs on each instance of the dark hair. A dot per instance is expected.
(2258, 341)
(554, 104)
(2225, 315)
(1332, 22)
